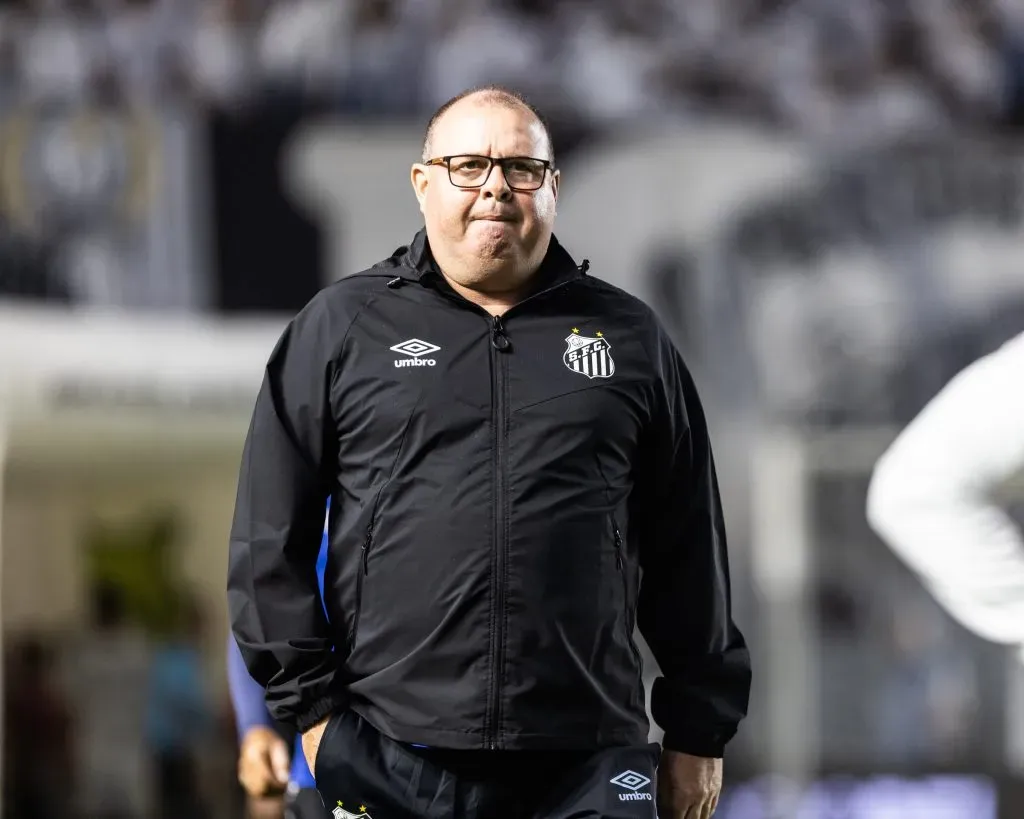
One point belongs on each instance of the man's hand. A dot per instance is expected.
(688, 786)
(311, 742)
(263, 762)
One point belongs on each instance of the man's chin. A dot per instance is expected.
(499, 250)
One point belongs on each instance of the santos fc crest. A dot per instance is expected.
(587, 356)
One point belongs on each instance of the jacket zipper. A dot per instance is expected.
(365, 567)
(630, 611)
(500, 344)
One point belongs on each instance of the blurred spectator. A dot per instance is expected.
(932, 495)
(37, 735)
(486, 42)
(387, 45)
(219, 49)
(928, 692)
(57, 50)
(608, 60)
(302, 45)
(109, 666)
(179, 716)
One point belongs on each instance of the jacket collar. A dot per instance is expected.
(557, 267)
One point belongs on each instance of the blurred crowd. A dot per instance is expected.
(817, 66)
(116, 723)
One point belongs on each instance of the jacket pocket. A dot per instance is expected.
(364, 568)
(629, 607)
(322, 759)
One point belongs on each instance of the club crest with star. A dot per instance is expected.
(589, 356)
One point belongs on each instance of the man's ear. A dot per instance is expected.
(420, 178)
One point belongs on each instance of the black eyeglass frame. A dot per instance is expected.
(503, 161)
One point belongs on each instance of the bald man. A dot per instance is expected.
(509, 443)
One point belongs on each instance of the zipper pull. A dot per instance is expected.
(618, 547)
(366, 549)
(499, 341)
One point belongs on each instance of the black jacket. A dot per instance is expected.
(498, 487)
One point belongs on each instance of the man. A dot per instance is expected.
(265, 769)
(509, 443)
(932, 501)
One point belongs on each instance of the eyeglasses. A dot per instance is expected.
(522, 173)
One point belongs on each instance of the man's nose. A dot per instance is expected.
(496, 185)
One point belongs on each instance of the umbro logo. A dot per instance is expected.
(415, 349)
(632, 781)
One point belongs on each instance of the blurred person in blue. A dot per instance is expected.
(179, 716)
(266, 770)
(933, 497)
(510, 443)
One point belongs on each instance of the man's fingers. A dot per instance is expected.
(701, 809)
(254, 784)
(280, 762)
(695, 808)
(254, 771)
(680, 812)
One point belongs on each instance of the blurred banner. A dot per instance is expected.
(103, 206)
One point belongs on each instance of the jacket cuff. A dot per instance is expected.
(709, 746)
(315, 713)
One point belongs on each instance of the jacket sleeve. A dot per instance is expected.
(931, 497)
(685, 610)
(288, 467)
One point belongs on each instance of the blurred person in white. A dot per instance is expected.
(108, 673)
(220, 51)
(609, 59)
(933, 500)
(58, 51)
(134, 36)
(487, 41)
(864, 90)
(11, 25)
(931, 496)
(386, 49)
(301, 45)
(960, 55)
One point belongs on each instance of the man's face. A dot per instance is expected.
(476, 233)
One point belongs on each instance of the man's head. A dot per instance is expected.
(489, 224)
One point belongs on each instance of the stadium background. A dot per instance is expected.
(823, 199)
